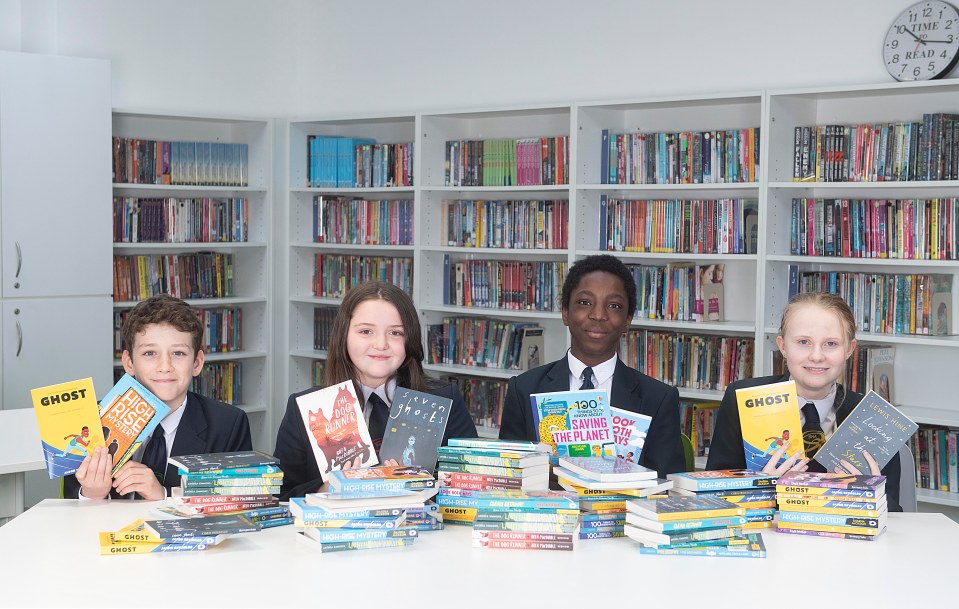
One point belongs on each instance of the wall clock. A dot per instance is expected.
(923, 42)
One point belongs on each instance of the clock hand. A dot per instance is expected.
(942, 41)
(918, 39)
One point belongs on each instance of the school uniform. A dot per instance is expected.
(301, 473)
(206, 426)
(630, 390)
(726, 443)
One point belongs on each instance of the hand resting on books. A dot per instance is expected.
(138, 478)
(797, 462)
(845, 467)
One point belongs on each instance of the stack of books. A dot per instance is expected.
(832, 505)
(182, 535)
(512, 519)
(475, 464)
(604, 484)
(752, 490)
(692, 526)
(371, 507)
(217, 483)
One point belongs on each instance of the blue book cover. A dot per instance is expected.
(324, 535)
(415, 428)
(131, 413)
(575, 423)
(875, 426)
(301, 508)
(755, 548)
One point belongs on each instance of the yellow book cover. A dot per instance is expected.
(69, 422)
(111, 545)
(769, 415)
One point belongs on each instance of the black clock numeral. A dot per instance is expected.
(917, 71)
(895, 58)
(894, 44)
(932, 66)
(927, 12)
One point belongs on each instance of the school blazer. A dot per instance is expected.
(726, 444)
(301, 474)
(207, 426)
(631, 390)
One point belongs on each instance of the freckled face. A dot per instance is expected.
(816, 348)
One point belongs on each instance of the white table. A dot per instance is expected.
(20, 452)
(50, 557)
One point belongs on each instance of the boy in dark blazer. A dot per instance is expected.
(598, 302)
(162, 339)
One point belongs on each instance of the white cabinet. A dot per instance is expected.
(55, 222)
(55, 163)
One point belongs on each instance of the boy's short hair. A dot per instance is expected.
(162, 309)
(607, 264)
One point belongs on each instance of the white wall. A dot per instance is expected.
(306, 57)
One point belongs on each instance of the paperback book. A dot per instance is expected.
(574, 423)
(333, 418)
(629, 433)
(69, 423)
(769, 415)
(129, 413)
(602, 469)
(722, 479)
(874, 426)
(415, 428)
(383, 477)
(200, 526)
(222, 465)
(683, 508)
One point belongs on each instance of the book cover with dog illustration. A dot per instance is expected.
(334, 422)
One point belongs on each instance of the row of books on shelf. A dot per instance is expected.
(698, 420)
(910, 229)
(362, 221)
(876, 152)
(484, 343)
(686, 157)
(349, 162)
(484, 398)
(679, 291)
(322, 327)
(510, 224)
(335, 274)
(195, 275)
(508, 162)
(142, 161)
(221, 381)
(886, 303)
(935, 453)
(173, 220)
(691, 226)
(221, 329)
(688, 360)
(503, 284)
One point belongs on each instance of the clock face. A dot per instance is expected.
(923, 42)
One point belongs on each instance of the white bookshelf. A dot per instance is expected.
(252, 259)
(756, 283)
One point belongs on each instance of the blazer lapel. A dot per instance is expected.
(190, 435)
(626, 392)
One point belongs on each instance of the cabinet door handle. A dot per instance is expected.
(19, 259)
(19, 338)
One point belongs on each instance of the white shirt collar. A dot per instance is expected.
(603, 372)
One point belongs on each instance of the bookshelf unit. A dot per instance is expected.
(301, 226)
(687, 114)
(251, 259)
(922, 363)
